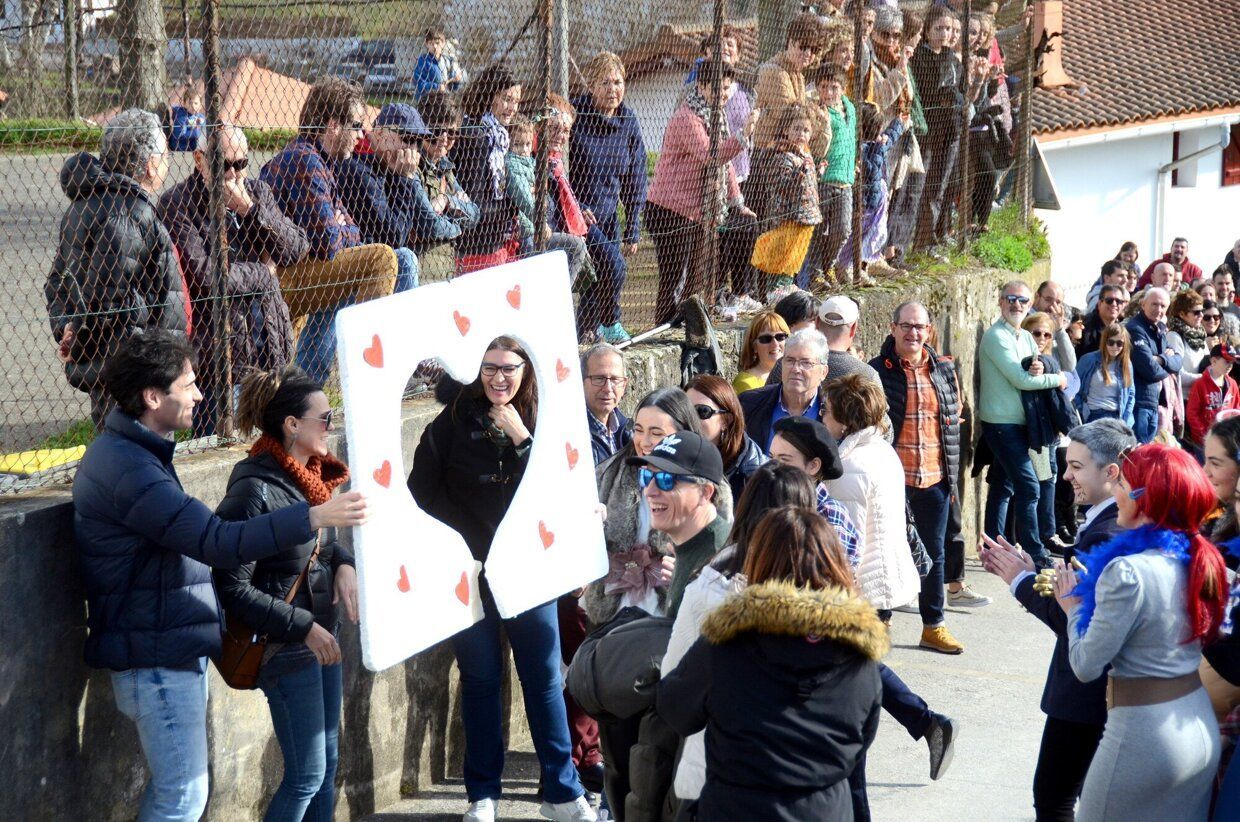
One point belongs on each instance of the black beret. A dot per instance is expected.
(812, 439)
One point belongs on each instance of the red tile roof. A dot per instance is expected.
(678, 46)
(1138, 60)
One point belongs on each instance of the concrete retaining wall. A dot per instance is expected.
(67, 753)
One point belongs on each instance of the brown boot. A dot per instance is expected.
(940, 639)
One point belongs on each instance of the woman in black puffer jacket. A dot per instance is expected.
(301, 675)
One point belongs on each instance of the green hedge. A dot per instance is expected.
(38, 134)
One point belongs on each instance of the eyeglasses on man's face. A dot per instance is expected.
(1016, 299)
(909, 328)
(599, 380)
(1116, 302)
(800, 365)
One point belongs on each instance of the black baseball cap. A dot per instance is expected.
(812, 438)
(686, 454)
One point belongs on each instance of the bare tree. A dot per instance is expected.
(140, 44)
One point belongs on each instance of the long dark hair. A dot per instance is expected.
(796, 545)
(268, 398)
(675, 403)
(476, 100)
(722, 394)
(773, 485)
(525, 401)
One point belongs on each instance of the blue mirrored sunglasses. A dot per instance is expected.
(665, 480)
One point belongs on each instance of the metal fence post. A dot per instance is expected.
(858, 95)
(708, 258)
(542, 156)
(962, 166)
(70, 17)
(221, 330)
(1024, 174)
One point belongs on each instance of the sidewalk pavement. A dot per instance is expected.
(992, 690)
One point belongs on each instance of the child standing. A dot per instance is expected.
(791, 204)
(838, 170)
(874, 149)
(562, 232)
(1215, 391)
(433, 71)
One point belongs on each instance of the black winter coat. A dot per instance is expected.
(946, 387)
(759, 406)
(115, 270)
(465, 472)
(786, 683)
(747, 462)
(1048, 413)
(144, 546)
(498, 217)
(255, 591)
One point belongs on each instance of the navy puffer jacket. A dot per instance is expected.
(144, 547)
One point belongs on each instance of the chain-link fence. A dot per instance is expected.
(727, 150)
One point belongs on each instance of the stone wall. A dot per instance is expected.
(65, 748)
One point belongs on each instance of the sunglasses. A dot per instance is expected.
(326, 419)
(357, 125)
(446, 134)
(706, 412)
(490, 369)
(236, 165)
(1115, 343)
(1196, 312)
(664, 480)
(410, 140)
(1014, 299)
(767, 339)
(1215, 317)
(1041, 334)
(1115, 301)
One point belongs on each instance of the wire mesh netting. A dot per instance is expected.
(733, 151)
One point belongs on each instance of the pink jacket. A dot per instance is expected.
(680, 171)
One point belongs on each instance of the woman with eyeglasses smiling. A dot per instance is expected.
(466, 470)
(723, 423)
(301, 674)
(762, 349)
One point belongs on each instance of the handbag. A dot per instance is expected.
(242, 652)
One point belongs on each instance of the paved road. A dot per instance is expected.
(992, 689)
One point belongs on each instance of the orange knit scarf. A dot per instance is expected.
(316, 479)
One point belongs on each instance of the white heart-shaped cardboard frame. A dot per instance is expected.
(418, 582)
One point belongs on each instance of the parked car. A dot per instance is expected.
(372, 65)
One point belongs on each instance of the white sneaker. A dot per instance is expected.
(966, 597)
(578, 810)
(481, 811)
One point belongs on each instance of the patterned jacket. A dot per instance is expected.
(305, 189)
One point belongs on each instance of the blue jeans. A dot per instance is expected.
(907, 708)
(305, 712)
(600, 304)
(535, 640)
(316, 346)
(169, 706)
(1046, 508)
(1013, 481)
(930, 507)
(1145, 423)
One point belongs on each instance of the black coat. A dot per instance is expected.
(786, 683)
(600, 448)
(255, 591)
(747, 462)
(1066, 697)
(465, 473)
(1148, 343)
(1047, 410)
(759, 406)
(145, 546)
(115, 270)
(497, 217)
(946, 389)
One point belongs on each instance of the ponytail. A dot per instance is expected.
(269, 397)
(1207, 589)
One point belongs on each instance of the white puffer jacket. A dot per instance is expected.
(872, 489)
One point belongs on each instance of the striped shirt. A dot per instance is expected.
(837, 517)
(918, 444)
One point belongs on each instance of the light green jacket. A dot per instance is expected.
(1003, 349)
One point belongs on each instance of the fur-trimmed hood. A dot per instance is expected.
(783, 609)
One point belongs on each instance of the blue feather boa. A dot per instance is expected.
(1233, 601)
(1126, 543)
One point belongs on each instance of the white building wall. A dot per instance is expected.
(1108, 194)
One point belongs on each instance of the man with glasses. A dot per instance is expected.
(380, 189)
(443, 210)
(1049, 299)
(260, 239)
(1153, 360)
(804, 369)
(781, 82)
(1110, 306)
(1004, 349)
(923, 404)
(604, 381)
(339, 268)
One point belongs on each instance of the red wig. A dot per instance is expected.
(1175, 494)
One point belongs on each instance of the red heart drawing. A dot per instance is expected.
(514, 297)
(547, 536)
(462, 589)
(403, 582)
(462, 322)
(561, 370)
(571, 452)
(383, 474)
(374, 355)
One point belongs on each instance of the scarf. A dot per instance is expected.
(698, 105)
(570, 209)
(1194, 338)
(1174, 544)
(316, 479)
(497, 146)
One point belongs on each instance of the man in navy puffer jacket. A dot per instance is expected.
(145, 547)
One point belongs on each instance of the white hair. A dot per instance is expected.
(235, 132)
(809, 339)
(1152, 290)
(130, 140)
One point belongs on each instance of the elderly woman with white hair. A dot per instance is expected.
(115, 272)
(798, 395)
